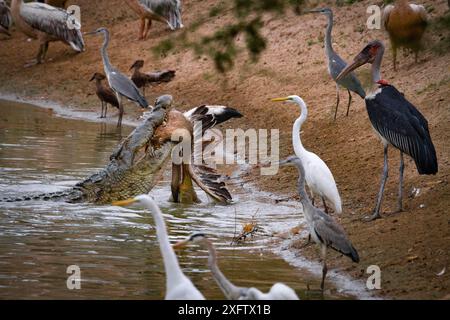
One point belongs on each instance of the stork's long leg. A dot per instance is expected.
(337, 101)
(119, 98)
(349, 101)
(147, 28)
(400, 184)
(142, 29)
(376, 211)
(324, 266)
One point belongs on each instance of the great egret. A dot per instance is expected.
(324, 230)
(397, 122)
(319, 178)
(178, 286)
(279, 291)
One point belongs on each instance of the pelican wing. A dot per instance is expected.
(55, 22)
(5, 15)
(170, 10)
(211, 182)
(386, 14)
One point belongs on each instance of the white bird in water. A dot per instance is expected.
(324, 230)
(47, 24)
(279, 291)
(178, 286)
(319, 178)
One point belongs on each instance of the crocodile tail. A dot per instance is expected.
(52, 196)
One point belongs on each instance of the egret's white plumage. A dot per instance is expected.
(178, 286)
(279, 291)
(319, 178)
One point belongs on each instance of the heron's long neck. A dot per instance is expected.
(171, 266)
(376, 65)
(296, 137)
(328, 40)
(229, 289)
(301, 184)
(106, 64)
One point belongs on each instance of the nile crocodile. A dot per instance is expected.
(136, 165)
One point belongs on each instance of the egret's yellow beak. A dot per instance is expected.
(180, 244)
(124, 203)
(280, 99)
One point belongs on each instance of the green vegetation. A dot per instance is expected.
(222, 44)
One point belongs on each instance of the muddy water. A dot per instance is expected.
(116, 248)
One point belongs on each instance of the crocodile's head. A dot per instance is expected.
(135, 166)
(153, 136)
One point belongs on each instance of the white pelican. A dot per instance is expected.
(178, 286)
(47, 24)
(319, 178)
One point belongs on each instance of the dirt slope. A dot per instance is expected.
(410, 247)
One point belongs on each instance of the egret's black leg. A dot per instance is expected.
(400, 184)
(376, 211)
(349, 101)
(337, 101)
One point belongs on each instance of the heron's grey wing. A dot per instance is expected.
(168, 9)
(55, 22)
(333, 235)
(124, 86)
(350, 81)
(5, 16)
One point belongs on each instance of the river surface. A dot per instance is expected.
(116, 248)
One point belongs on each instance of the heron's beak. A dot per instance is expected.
(180, 244)
(313, 11)
(124, 203)
(280, 99)
(90, 33)
(359, 60)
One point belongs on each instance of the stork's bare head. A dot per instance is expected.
(367, 55)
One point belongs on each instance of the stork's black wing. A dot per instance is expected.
(403, 126)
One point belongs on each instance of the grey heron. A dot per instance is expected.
(405, 24)
(319, 178)
(336, 64)
(5, 18)
(178, 286)
(279, 291)
(47, 24)
(324, 230)
(396, 121)
(119, 83)
(166, 11)
(141, 79)
(104, 93)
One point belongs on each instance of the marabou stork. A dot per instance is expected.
(178, 286)
(336, 64)
(47, 24)
(396, 121)
(405, 24)
(119, 83)
(166, 11)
